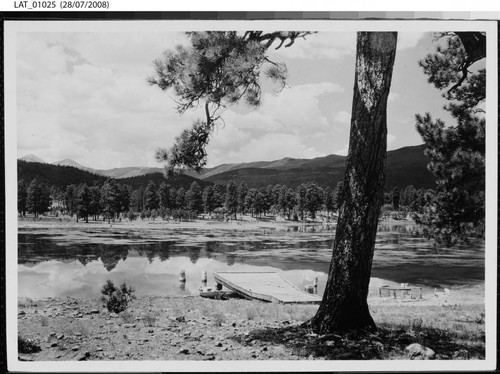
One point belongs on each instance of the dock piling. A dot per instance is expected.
(182, 276)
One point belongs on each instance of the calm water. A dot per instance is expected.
(61, 262)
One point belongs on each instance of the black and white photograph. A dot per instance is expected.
(251, 195)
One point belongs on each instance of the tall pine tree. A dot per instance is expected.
(457, 151)
(220, 68)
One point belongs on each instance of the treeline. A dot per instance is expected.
(410, 199)
(222, 202)
(113, 200)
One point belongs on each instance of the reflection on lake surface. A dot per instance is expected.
(67, 262)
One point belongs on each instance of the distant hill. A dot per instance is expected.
(117, 173)
(32, 158)
(56, 175)
(68, 162)
(63, 175)
(129, 172)
(286, 163)
(404, 166)
(176, 181)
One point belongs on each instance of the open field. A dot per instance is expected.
(193, 328)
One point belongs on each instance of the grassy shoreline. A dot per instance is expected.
(244, 223)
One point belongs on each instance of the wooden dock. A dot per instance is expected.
(265, 286)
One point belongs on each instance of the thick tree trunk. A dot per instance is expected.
(344, 306)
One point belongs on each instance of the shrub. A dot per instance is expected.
(117, 299)
(220, 214)
(131, 215)
(154, 214)
(27, 346)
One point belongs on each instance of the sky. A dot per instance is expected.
(84, 96)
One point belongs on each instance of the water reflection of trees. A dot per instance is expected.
(230, 259)
(194, 254)
(111, 256)
(234, 246)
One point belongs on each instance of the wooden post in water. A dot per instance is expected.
(312, 288)
(204, 278)
(182, 276)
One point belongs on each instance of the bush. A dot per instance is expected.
(131, 215)
(117, 299)
(181, 215)
(220, 214)
(154, 214)
(27, 346)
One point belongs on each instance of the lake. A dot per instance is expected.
(59, 262)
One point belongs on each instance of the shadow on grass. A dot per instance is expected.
(386, 343)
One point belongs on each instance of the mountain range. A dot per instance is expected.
(405, 166)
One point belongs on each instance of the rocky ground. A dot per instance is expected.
(193, 328)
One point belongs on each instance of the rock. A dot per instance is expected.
(53, 345)
(21, 313)
(60, 336)
(346, 356)
(184, 351)
(75, 348)
(264, 348)
(416, 351)
(98, 349)
(129, 325)
(78, 334)
(84, 356)
(219, 344)
(180, 319)
(462, 354)
(93, 311)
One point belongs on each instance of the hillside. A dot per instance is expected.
(176, 181)
(286, 163)
(62, 176)
(129, 172)
(55, 175)
(405, 166)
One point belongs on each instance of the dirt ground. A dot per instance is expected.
(194, 328)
